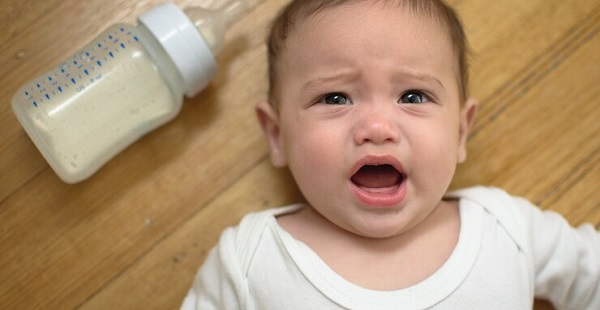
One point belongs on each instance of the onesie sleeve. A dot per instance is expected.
(566, 259)
(218, 283)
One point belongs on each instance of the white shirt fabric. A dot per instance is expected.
(508, 253)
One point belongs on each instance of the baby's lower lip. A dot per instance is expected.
(381, 197)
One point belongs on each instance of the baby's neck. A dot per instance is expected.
(380, 264)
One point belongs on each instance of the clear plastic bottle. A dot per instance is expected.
(128, 81)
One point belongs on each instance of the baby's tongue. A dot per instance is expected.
(377, 176)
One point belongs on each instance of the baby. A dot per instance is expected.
(368, 107)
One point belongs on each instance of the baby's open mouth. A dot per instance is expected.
(377, 176)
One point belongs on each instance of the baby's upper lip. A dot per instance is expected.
(377, 160)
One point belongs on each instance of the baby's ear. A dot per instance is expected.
(269, 122)
(467, 118)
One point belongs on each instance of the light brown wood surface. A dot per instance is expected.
(133, 236)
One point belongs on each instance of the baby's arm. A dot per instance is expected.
(566, 261)
(218, 282)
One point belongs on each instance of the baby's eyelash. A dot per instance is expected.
(336, 99)
(414, 96)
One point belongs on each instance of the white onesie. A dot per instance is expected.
(508, 253)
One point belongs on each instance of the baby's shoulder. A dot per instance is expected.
(243, 238)
(496, 201)
(257, 221)
(513, 214)
(530, 227)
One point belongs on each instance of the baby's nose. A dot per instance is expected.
(376, 125)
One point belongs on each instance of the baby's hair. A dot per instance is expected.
(297, 11)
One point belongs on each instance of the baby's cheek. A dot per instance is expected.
(315, 157)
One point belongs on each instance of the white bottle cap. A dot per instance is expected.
(184, 44)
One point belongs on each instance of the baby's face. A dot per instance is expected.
(369, 118)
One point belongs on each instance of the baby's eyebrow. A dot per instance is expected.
(345, 76)
(402, 76)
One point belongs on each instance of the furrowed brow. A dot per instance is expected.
(331, 78)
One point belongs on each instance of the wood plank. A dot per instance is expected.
(176, 259)
(508, 37)
(529, 148)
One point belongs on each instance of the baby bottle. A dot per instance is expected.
(126, 82)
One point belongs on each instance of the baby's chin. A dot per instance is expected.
(383, 228)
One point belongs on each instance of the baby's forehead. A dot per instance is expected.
(338, 25)
(372, 40)
(314, 22)
(427, 11)
(300, 17)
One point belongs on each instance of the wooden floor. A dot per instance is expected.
(133, 236)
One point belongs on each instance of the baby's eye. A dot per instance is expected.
(336, 99)
(414, 97)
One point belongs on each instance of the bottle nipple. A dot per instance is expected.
(213, 24)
